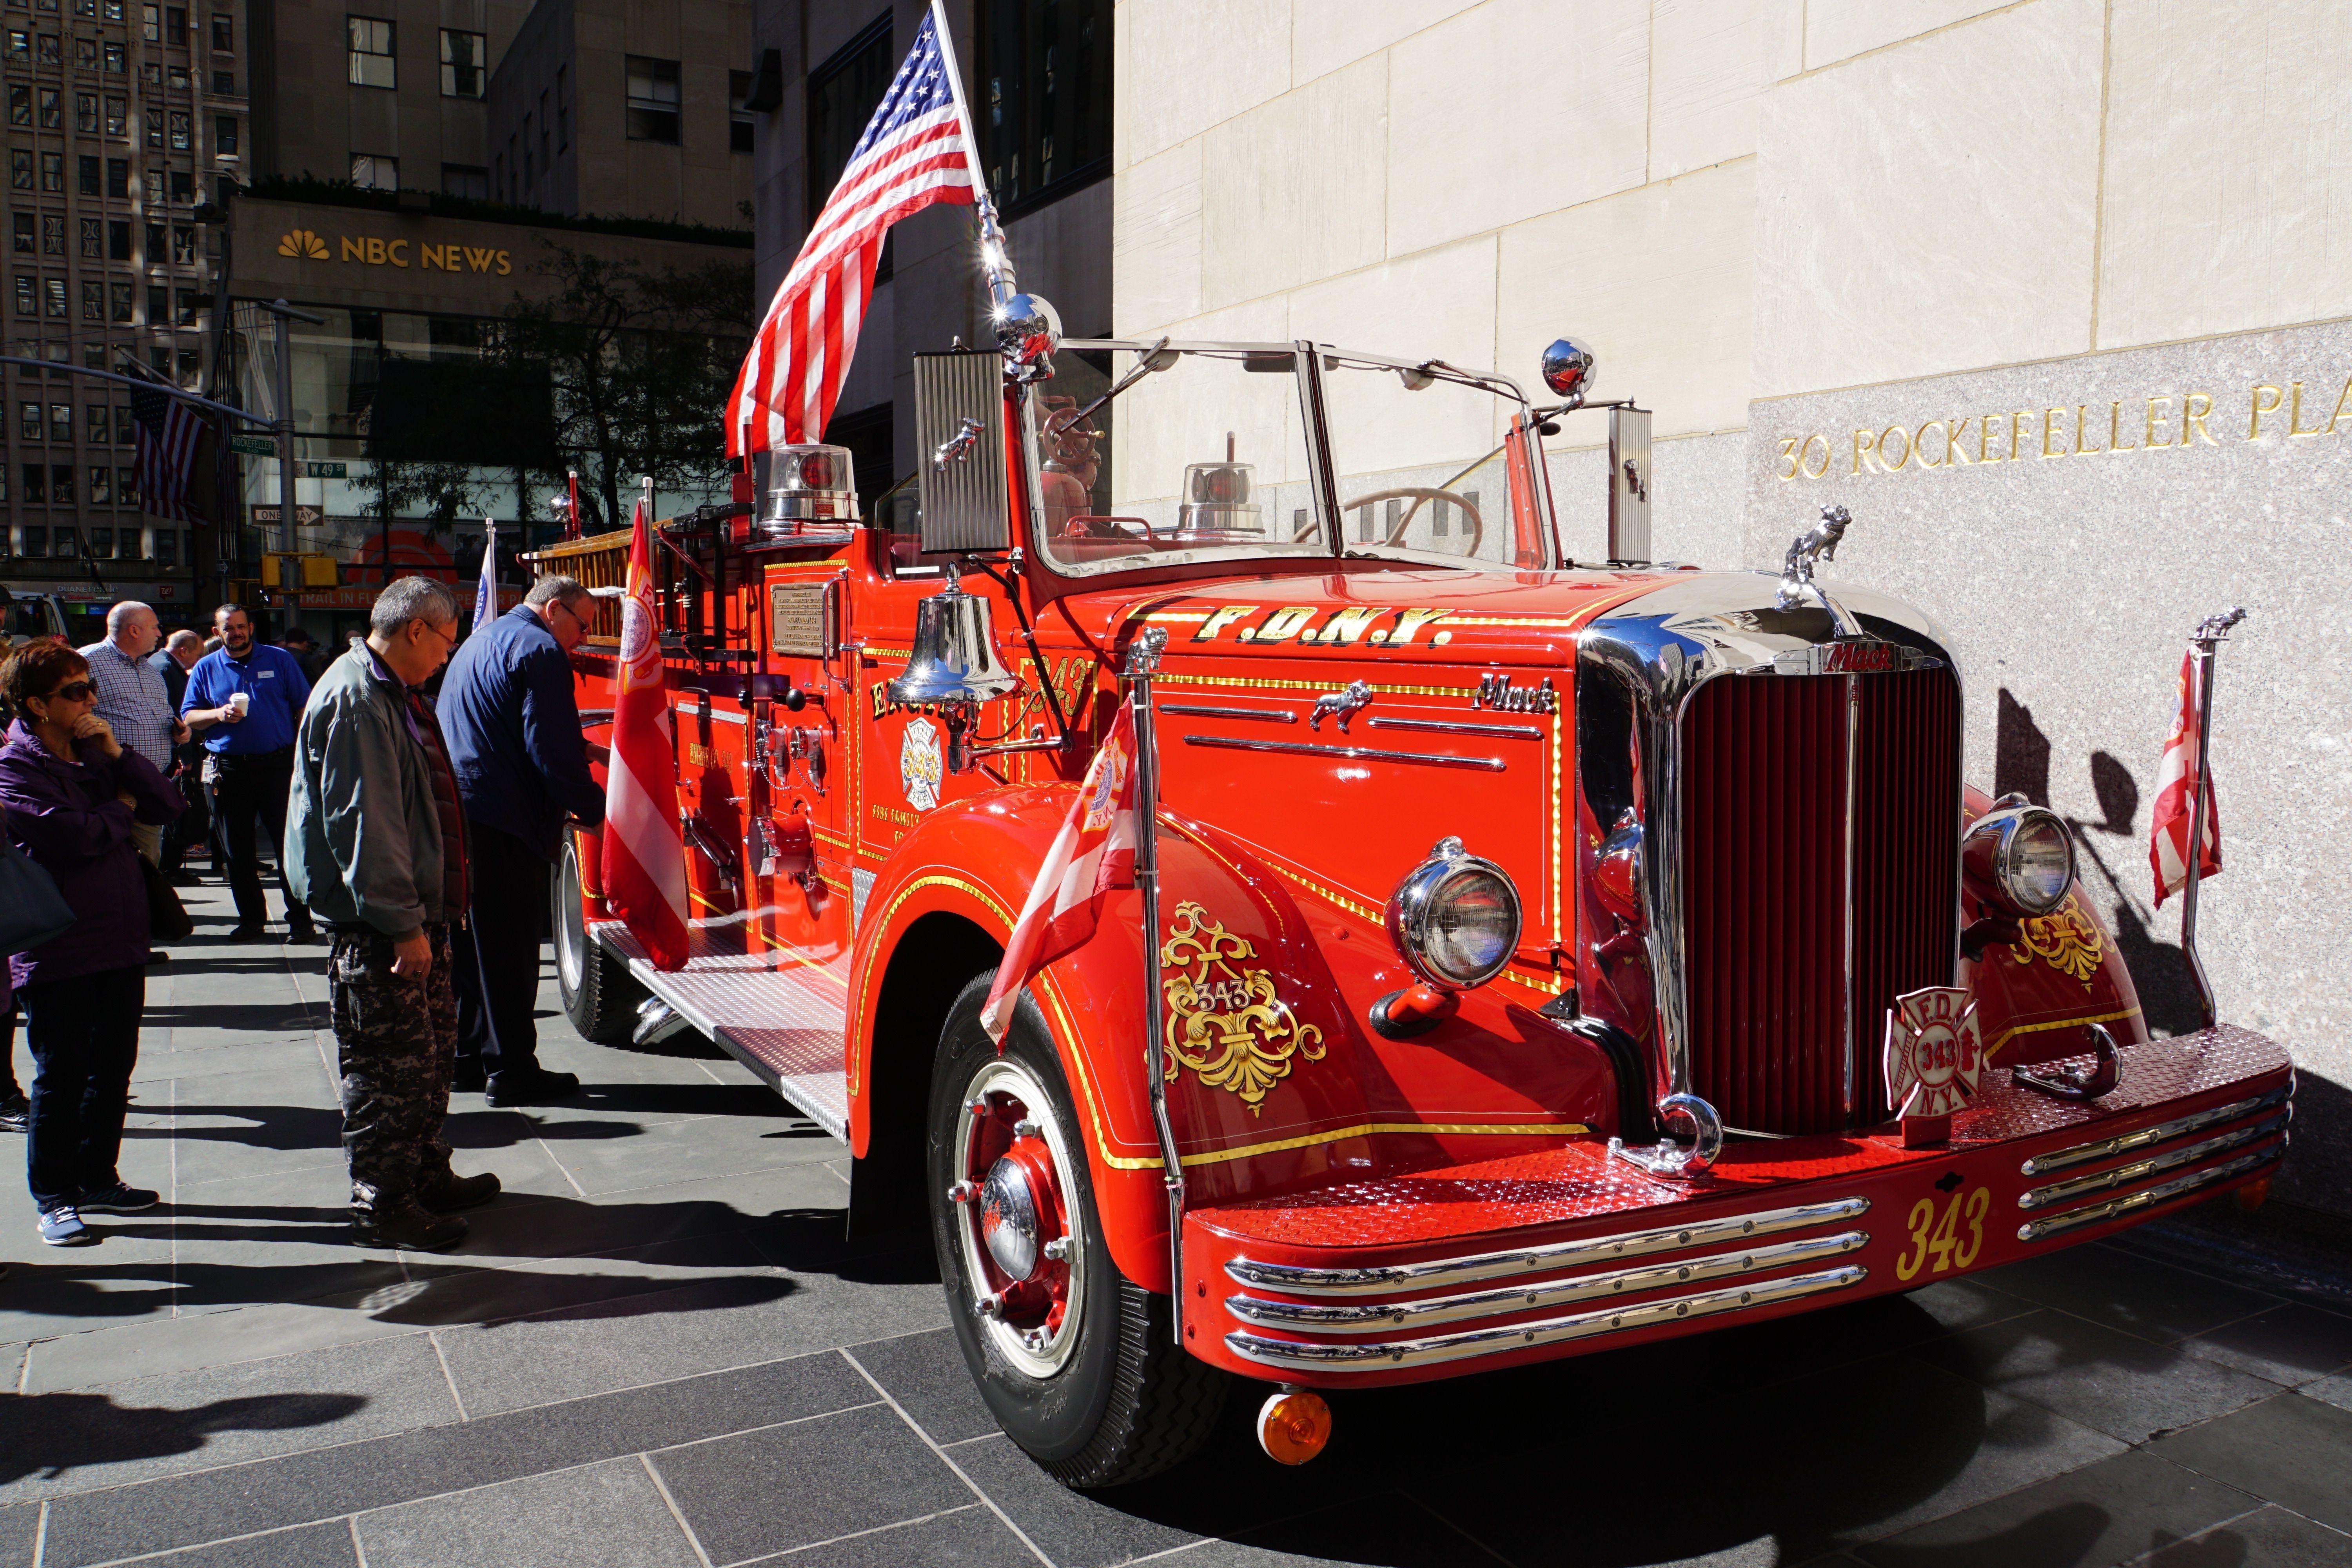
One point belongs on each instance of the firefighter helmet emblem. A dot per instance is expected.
(1225, 1022)
(1934, 1052)
(920, 768)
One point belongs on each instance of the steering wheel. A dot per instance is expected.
(1418, 494)
(1097, 525)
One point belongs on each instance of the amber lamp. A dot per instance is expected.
(1293, 1425)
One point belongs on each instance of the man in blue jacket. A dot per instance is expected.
(247, 698)
(513, 730)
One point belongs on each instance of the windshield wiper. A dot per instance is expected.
(1152, 359)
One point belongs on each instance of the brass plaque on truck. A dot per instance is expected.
(799, 620)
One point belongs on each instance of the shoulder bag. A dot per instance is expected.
(31, 910)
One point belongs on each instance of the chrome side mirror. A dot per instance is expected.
(1028, 334)
(1567, 370)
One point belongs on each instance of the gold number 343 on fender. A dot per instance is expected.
(1942, 1237)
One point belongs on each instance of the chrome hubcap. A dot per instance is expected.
(569, 937)
(1023, 1254)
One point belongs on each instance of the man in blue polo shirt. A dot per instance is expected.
(247, 698)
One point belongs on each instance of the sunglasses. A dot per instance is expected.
(73, 692)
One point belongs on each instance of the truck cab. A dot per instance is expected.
(1540, 955)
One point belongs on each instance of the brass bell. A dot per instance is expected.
(954, 662)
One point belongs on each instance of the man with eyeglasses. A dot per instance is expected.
(375, 844)
(513, 729)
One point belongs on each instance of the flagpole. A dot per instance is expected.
(2210, 633)
(994, 255)
(1142, 664)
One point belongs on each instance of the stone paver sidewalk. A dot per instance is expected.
(656, 1349)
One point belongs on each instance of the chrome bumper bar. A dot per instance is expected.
(2162, 1131)
(2164, 1192)
(2155, 1164)
(1496, 1340)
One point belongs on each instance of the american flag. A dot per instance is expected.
(915, 153)
(168, 431)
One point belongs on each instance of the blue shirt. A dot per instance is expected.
(273, 683)
(513, 729)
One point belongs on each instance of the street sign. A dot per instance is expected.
(304, 516)
(253, 446)
(322, 471)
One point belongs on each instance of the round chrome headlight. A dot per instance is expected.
(1455, 918)
(2022, 856)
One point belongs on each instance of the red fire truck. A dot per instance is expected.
(1527, 956)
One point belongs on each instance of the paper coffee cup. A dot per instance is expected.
(241, 702)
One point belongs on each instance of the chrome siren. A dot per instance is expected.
(809, 487)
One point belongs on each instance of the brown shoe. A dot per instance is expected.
(406, 1225)
(453, 1191)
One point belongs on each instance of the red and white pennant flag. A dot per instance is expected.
(645, 847)
(1094, 852)
(2175, 784)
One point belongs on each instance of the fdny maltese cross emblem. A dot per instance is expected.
(1934, 1055)
(920, 772)
(1225, 1022)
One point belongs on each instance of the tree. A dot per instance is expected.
(640, 361)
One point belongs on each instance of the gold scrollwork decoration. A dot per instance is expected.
(1226, 1022)
(2067, 937)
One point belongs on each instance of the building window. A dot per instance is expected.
(86, 7)
(118, 298)
(175, 25)
(28, 422)
(167, 539)
(22, 241)
(53, 114)
(24, 290)
(371, 52)
(20, 168)
(738, 119)
(156, 241)
(155, 187)
(189, 301)
(159, 304)
(118, 122)
(191, 365)
(53, 235)
(176, 77)
(183, 246)
(181, 136)
(112, 9)
(224, 84)
(101, 540)
(86, 113)
(20, 106)
(61, 423)
(150, 22)
(652, 99)
(463, 180)
(155, 122)
(93, 240)
(1044, 98)
(224, 32)
(94, 424)
(86, 54)
(462, 56)
(118, 60)
(118, 240)
(224, 136)
(93, 300)
(46, 50)
(123, 436)
(842, 94)
(184, 187)
(20, 46)
(372, 172)
(53, 172)
(53, 298)
(117, 178)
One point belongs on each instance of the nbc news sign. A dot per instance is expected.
(372, 250)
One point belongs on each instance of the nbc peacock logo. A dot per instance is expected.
(303, 245)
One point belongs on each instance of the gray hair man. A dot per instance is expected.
(513, 729)
(375, 846)
(136, 704)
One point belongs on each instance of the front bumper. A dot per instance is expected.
(1433, 1273)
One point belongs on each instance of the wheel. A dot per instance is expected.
(1073, 1358)
(600, 995)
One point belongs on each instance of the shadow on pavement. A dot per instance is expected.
(52, 1434)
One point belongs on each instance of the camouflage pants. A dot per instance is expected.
(397, 1037)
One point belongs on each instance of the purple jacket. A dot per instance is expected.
(63, 815)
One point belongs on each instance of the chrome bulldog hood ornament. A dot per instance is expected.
(1816, 544)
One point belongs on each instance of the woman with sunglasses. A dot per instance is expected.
(72, 791)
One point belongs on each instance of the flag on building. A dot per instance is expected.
(2175, 784)
(167, 430)
(486, 592)
(916, 153)
(645, 847)
(1094, 852)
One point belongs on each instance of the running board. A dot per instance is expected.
(785, 1020)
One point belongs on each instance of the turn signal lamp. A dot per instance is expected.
(1293, 1425)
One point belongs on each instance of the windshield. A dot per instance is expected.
(1201, 460)
(1206, 458)
(1419, 462)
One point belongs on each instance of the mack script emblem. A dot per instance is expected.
(1934, 1052)
(1495, 691)
(1225, 1022)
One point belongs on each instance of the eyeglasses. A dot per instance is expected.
(73, 692)
(577, 618)
(448, 638)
